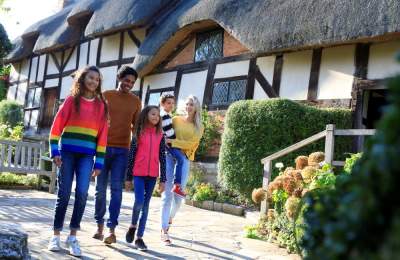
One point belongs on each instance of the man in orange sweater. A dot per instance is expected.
(124, 109)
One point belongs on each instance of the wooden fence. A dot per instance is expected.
(329, 134)
(26, 157)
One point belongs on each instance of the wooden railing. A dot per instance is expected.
(329, 134)
(26, 157)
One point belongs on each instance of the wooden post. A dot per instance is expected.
(266, 180)
(53, 177)
(329, 143)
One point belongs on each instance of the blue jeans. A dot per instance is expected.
(81, 165)
(171, 202)
(114, 169)
(180, 158)
(143, 187)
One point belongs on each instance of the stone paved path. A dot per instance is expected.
(196, 233)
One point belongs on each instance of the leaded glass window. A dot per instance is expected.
(227, 92)
(209, 45)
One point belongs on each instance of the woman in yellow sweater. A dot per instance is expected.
(188, 130)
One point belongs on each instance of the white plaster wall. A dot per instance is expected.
(136, 86)
(259, 92)
(336, 72)
(163, 80)
(21, 92)
(34, 117)
(232, 69)
(295, 75)
(42, 65)
(11, 92)
(24, 69)
(143, 97)
(192, 84)
(382, 60)
(14, 72)
(83, 54)
(51, 83)
(130, 48)
(71, 65)
(109, 77)
(33, 69)
(66, 84)
(266, 65)
(51, 67)
(94, 44)
(110, 48)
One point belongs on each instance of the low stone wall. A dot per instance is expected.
(216, 206)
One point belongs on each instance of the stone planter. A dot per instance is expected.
(218, 206)
(13, 242)
(197, 204)
(189, 202)
(208, 205)
(232, 209)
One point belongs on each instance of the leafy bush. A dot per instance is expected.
(360, 219)
(11, 179)
(211, 133)
(204, 192)
(256, 129)
(10, 113)
(14, 134)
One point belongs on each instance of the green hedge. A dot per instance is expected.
(256, 129)
(10, 113)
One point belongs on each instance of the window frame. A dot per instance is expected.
(197, 43)
(157, 90)
(30, 108)
(212, 106)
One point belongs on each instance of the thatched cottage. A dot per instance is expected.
(327, 52)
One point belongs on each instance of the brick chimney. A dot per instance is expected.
(64, 3)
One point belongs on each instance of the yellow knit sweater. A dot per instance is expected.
(187, 137)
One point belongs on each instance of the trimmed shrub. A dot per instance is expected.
(10, 113)
(256, 129)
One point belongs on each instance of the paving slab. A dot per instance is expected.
(196, 233)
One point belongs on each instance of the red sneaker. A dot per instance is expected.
(177, 189)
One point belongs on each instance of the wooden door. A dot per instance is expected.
(49, 107)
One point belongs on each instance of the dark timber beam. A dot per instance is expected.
(264, 83)
(314, 74)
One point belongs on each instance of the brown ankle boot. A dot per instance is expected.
(99, 233)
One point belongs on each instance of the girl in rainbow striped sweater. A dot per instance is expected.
(80, 126)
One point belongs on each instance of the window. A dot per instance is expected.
(32, 106)
(227, 92)
(153, 95)
(209, 45)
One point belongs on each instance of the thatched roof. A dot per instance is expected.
(114, 15)
(261, 25)
(97, 17)
(270, 25)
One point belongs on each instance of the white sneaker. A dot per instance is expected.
(54, 244)
(165, 239)
(73, 245)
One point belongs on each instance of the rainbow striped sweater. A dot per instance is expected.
(84, 132)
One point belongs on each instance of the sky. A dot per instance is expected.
(24, 13)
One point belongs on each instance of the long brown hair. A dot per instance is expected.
(143, 119)
(78, 88)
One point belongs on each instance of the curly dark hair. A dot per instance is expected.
(78, 90)
(143, 119)
(126, 70)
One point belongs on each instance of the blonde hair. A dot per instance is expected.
(197, 116)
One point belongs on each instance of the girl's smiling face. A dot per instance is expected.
(153, 116)
(91, 81)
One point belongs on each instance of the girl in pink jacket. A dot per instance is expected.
(146, 162)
